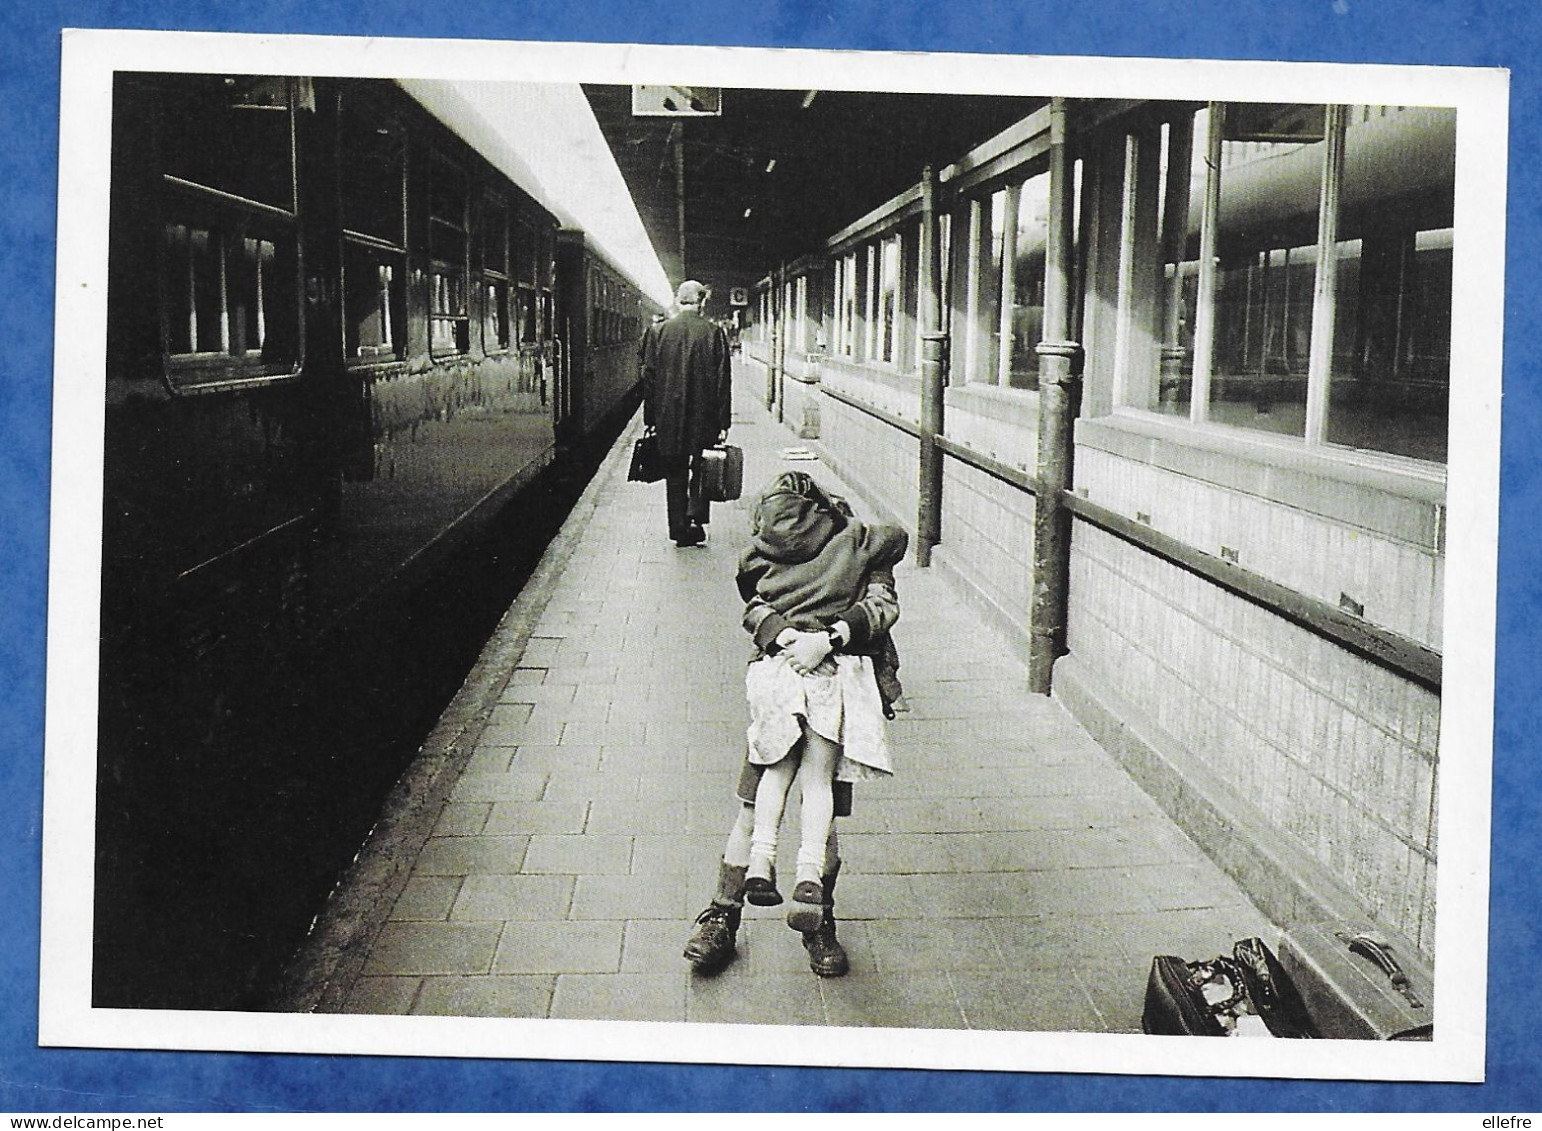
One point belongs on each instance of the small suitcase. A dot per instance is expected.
(722, 473)
(1360, 983)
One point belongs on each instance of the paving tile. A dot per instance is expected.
(386, 996)
(896, 853)
(585, 785)
(509, 898)
(515, 786)
(1117, 992)
(644, 761)
(1191, 935)
(1033, 1001)
(464, 818)
(463, 855)
(560, 948)
(633, 817)
(433, 948)
(665, 788)
(757, 999)
(602, 731)
(695, 855)
(546, 732)
(567, 758)
(489, 761)
(900, 946)
(655, 946)
(513, 817)
(426, 897)
(621, 997)
(1056, 942)
(486, 996)
(583, 854)
(1015, 850)
(875, 897)
(521, 691)
(664, 896)
(918, 1001)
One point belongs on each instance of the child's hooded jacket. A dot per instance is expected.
(809, 564)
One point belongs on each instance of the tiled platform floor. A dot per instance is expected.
(1010, 876)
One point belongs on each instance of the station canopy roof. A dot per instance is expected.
(544, 138)
(776, 172)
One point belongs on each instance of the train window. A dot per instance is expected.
(525, 254)
(448, 312)
(1242, 189)
(496, 312)
(231, 133)
(373, 175)
(229, 263)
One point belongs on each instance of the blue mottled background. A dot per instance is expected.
(1504, 33)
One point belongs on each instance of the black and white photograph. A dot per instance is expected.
(773, 557)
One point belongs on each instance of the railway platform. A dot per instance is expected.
(548, 852)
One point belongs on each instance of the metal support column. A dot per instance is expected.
(1058, 374)
(934, 351)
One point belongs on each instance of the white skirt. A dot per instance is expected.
(838, 700)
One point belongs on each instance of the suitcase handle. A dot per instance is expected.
(1368, 948)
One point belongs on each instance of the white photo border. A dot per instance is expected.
(90, 58)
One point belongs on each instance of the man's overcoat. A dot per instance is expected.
(686, 383)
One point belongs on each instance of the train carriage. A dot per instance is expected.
(341, 347)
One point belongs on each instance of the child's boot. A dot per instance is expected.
(711, 945)
(826, 955)
(760, 881)
(807, 909)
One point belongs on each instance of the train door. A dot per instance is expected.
(570, 331)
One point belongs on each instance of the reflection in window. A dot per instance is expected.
(448, 312)
(373, 170)
(229, 252)
(1271, 185)
(1026, 283)
(888, 295)
(1378, 370)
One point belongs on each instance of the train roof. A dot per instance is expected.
(544, 138)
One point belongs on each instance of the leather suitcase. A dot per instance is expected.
(1359, 982)
(722, 473)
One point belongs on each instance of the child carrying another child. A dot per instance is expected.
(823, 653)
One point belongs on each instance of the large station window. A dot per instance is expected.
(373, 153)
(230, 249)
(1303, 281)
(449, 313)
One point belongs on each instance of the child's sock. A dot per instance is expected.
(811, 864)
(762, 858)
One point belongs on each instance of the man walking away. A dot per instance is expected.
(686, 404)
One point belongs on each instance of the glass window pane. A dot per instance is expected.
(1392, 320)
(373, 171)
(1271, 175)
(231, 133)
(1028, 282)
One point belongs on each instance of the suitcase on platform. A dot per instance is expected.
(722, 473)
(1359, 982)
